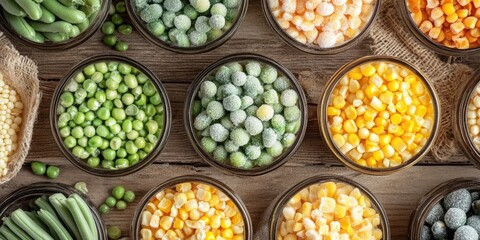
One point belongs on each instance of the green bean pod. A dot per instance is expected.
(80, 220)
(32, 8)
(83, 25)
(56, 27)
(72, 3)
(87, 213)
(74, 32)
(5, 231)
(58, 201)
(35, 218)
(91, 7)
(2, 237)
(38, 38)
(42, 203)
(15, 229)
(20, 26)
(13, 8)
(54, 224)
(47, 16)
(22, 220)
(56, 37)
(65, 13)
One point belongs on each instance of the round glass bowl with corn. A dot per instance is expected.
(192, 26)
(192, 207)
(52, 24)
(110, 116)
(321, 27)
(448, 27)
(379, 115)
(466, 119)
(330, 207)
(246, 114)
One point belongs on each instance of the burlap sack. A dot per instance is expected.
(20, 73)
(391, 38)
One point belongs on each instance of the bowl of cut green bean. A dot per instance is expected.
(52, 24)
(48, 210)
(110, 116)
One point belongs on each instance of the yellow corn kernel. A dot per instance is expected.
(355, 74)
(165, 205)
(331, 188)
(327, 205)
(214, 200)
(390, 75)
(371, 162)
(210, 236)
(178, 223)
(183, 187)
(194, 215)
(166, 222)
(372, 91)
(448, 8)
(290, 236)
(367, 70)
(393, 86)
(237, 219)
(190, 195)
(470, 22)
(451, 18)
(215, 221)
(396, 118)
(204, 195)
(190, 205)
(353, 139)
(331, 111)
(386, 97)
(338, 102)
(227, 233)
(182, 214)
(340, 211)
(457, 27)
(350, 112)
(388, 151)
(225, 223)
(408, 126)
(378, 155)
(385, 139)
(146, 234)
(180, 199)
(349, 126)
(369, 115)
(401, 106)
(399, 145)
(462, 13)
(378, 130)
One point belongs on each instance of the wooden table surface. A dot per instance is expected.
(399, 193)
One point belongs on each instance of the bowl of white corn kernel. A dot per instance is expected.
(192, 207)
(466, 119)
(321, 26)
(379, 115)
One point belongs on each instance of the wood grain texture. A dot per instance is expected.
(398, 193)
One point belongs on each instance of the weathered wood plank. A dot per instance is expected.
(398, 193)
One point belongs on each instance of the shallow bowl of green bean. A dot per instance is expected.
(52, 24)
(110, 116)
(246, 114)
(23, 198)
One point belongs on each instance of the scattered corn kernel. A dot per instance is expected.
(334, 209)
(201, 212)
(396, 110)
(473, 117)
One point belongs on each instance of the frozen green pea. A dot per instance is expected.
(218, 133)
(182, 40)
(202, 121)
(252, 110)
(220, 154)
(268, 74)
(230, 146)
(270, 97)
(238, 78)
(223, 75)
(202, 25)
(240, 137)
(190, 11)
(269, 137)
(292, 113)
(252, 86)
(213, 34)
(230, 89)
(277, 108)
(173, 5)
(253, 69)
(197, 38)
(281, 84)
(152, 12)
(196, 108)
(200, 5)
(215, 110)
(219, 9)
(253, 125)
(168, 18)
(289, 98)
(208, 89)
(278, 123)
(182, 22)
(208, 144)
(67, 99)
(253, 152)
(288, 140)
(238, 117)
(275, 150)
(226, 123)
(232, 103)
(264, 160)
(216, 21)
(238, 159)
(247, 101)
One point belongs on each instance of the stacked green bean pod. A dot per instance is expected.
(50, 20)
(53, 217)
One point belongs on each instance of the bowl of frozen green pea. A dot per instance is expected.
(110, 116)
(52, 24)
(187, 26)
(246, 114)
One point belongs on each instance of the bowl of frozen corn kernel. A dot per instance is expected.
(246, 114)
(110, 116)
(193, 26)
(192, 207)
(466, 119)
(331, 207)
(448, 27)
(52, 24)
(321, 27)
(379, 115)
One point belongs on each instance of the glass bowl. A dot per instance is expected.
(424, 39)
(323, 120)
(95, 24)
(21, 198)
(313, 48)
(137, 219)
(460, 121)
(274, 212)
(210, 45)
(194, 139)
(162, 139)
(419, 215)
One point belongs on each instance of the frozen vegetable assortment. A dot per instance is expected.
(110, 115)
(380, 114)
(456, 217)
(246, 114)
(329, 210)
(322, 23)
(191, 210)
(187, 23)
(53, 217)
(11, 108)
(50, 20)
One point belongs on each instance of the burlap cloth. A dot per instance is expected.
(392, 38)
(21, 74)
